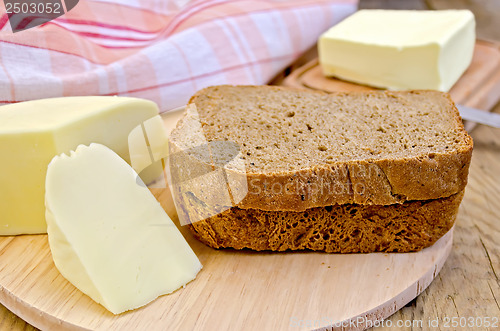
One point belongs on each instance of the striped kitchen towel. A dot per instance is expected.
(162, 50)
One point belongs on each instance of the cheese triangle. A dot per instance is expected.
(108, 235)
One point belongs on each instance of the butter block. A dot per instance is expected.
(400, 49)
(33, 132)
(108, 235)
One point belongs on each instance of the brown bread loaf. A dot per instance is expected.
(312, 152)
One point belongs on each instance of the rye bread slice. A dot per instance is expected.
(349, 228)
(304, 149)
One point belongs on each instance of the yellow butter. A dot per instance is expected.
(400, 49)
(107, 233)
(33, 132)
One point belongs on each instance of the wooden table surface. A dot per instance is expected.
(469, 283)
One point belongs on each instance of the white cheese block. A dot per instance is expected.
(107, 233)
(400, 49)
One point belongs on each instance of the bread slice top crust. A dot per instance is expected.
(378, 147)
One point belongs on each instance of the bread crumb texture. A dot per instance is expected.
(281, 130)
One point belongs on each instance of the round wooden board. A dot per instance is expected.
(235, 290)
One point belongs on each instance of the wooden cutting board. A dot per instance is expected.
(235, 290)
(479, 86)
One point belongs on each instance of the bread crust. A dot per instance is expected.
(348, 228)
(388, 181)
(379, 182)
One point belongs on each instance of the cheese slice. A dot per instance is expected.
(107, 233)
(33, 132)
(400, 49)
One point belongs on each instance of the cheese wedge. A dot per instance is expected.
(33, 132)
(400, 49)
(148, 146)
(107, 233)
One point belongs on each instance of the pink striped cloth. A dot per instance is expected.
(159, 49)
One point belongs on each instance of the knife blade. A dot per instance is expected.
(479, 116)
